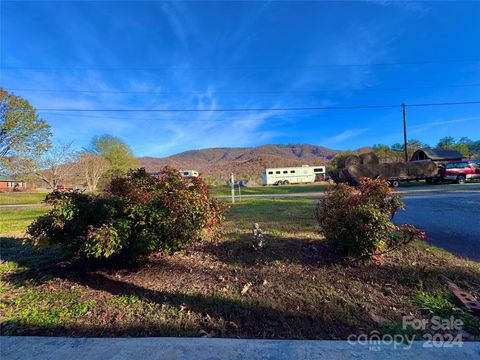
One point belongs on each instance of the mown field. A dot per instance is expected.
(20, 198)
(271, 189)
(297, 287)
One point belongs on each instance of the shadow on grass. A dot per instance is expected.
(249, 315)
(146, 328)
(250, 318)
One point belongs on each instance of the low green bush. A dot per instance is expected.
(358, 220)
(438, 304)
(137, 215)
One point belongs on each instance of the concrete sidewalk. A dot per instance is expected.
(56, 348)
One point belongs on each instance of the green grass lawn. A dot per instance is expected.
(18, 198)
(297, 287)
(16, 220)
(271, 189)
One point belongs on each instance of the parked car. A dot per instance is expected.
(61, 187)
(460, 171)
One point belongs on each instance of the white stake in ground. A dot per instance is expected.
(232, 184)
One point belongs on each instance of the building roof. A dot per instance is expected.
(6, 178)
(441, 154)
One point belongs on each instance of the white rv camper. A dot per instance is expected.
(189, 173)
(293, 175)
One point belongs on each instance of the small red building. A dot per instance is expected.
(10, 184)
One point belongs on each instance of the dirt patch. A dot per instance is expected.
(297, 287)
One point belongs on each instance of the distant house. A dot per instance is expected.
(439, 156)
(10, 184)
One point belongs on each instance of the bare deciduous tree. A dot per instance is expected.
(91, 167)
(56, 165)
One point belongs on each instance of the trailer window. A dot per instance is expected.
(277, 172)
(318, 170)
(270, 173)
(285, 171)
(292, 171)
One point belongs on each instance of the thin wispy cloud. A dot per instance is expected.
(408, 5)
(417, 129)
(208, 55)
(343, 136)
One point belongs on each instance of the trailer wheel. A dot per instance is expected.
(461, 179)
(395, 183)
(286, 182)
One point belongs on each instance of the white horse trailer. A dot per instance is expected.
(293, 175)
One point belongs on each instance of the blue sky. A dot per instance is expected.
(214, 55)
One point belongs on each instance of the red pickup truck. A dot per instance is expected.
(61, 187)
(461, 171)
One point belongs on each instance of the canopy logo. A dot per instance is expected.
(435, 332)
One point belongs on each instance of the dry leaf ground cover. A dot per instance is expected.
(297, 287)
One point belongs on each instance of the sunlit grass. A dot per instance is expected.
(16, 220)
(18, 198)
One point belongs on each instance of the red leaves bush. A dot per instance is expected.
(358, 220)
(137, 215)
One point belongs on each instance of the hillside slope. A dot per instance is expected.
(216, 164)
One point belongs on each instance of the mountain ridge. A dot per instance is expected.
(216, 164)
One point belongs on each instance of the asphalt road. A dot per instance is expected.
(403, 190)
(451, 220)
(450, 214)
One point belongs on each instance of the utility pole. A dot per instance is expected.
(232, 184)
(404, 109)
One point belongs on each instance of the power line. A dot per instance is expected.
(239, 67)
(284, 116)
(265, 109)
(235, 92)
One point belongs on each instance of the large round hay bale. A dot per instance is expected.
(351, 179)
(415, 169)
(354, 172)
(399, 170)
(341, 162)
(335, 176)
(358, 171)
(386, 171)
(369, 158)
(352, 160)
(344, 176)
(429, 168)
(371, 170)
(421, 168)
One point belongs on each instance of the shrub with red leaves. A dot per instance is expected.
(137, 215)
(358, 220)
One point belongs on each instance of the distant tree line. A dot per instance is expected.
(467, 147)
(28, 153)
(395, 153)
